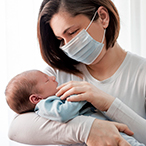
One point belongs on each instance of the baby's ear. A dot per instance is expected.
(35, 98)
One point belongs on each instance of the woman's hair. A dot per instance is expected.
(18, 92)
(49, 45)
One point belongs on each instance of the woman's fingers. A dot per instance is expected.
(70, 88)
(69, 92)
(123, 128)
(105, 133)
(76, 92)
(70, 83)
(78, 97)
(85, 91)
(123, 142)
(59, 87)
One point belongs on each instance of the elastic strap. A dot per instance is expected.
(103, 35)
(91, 20)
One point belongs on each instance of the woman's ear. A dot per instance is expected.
(35, 98)
(103, 16)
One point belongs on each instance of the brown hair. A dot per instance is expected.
(49, 45)
(18, 92)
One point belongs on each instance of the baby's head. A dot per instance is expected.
(25, 90)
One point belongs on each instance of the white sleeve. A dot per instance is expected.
(29, 128)
(122, 113)
(55, 109)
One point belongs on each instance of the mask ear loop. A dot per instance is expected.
(91, 20)
(103, 36)
(90, 24)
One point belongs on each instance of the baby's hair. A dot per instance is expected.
(19, 90)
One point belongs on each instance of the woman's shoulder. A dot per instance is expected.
(137, 59)
(137, 64)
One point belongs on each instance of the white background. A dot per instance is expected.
(19, 49)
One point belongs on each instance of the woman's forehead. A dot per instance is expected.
(63, 21)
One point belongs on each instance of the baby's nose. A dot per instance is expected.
(53, 78)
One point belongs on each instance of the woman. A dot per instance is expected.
(78, 40)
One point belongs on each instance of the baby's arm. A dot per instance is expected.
(55, 109)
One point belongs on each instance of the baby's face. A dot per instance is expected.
(47, 84)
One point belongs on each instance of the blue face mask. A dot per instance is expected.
(83, 48)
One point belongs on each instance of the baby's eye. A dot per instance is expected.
(47, 80)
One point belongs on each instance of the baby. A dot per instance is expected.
(35, 91)
(25, 90)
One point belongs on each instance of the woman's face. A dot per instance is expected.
(65, 27)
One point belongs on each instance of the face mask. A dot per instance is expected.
(83, 48)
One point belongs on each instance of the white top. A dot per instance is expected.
(127, 84)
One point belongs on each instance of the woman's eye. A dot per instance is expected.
(74, 32)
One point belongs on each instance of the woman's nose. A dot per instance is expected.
(66, 40)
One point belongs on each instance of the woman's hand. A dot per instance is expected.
(85, 91)
(105, 133)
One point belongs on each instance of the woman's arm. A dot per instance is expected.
(120, 112)
(116, 110)
(29, 128)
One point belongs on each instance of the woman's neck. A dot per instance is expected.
(108, 65)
